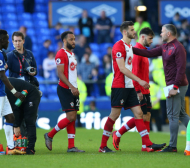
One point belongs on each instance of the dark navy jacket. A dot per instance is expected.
(14, 66)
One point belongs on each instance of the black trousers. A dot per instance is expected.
(156, 115)
(28, 113)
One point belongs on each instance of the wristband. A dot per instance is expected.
(13, 91)
(175, 87)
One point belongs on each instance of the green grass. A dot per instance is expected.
(89, 140)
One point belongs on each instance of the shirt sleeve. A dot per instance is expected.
(136, 71)
(118, 52)
(180, 60)
(148, 53)
(61, 58)
(2, 62)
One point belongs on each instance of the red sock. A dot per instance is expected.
(147, 124)
(107, 131)
(143, 132)
(61, 124)
(71, 134)
(129, 125)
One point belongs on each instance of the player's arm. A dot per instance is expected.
(129, 74)
(148, 53)
(62, 77)
(7, 83)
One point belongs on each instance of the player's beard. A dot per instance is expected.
(130, 36)
(146, 44)
(164, 39)
(69, 46)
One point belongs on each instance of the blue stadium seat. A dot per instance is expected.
(19, 1)
(53, 97)
(40, 16)
(62, 30)
(34, 39)
(40, 1)
(9, 16)
(117, 31)
(40, 78)
(24, 16)
(40, 8)
(77, 31)
(94, 47)
(98, 54)
(19, 8)
(10, 24)
(41, 39)
(52, 89)
(43, 31)
(0, 17)
(31, 32)
(117, 38)
(10, 32)
(41, 24)
(104, 46)
(34, 47)
(8, 1)
(26, 23)
(8, 8)
(43, 88)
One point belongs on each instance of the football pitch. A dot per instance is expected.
(89, 140)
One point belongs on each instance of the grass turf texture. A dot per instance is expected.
(89, 140)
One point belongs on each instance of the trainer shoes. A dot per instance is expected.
(48, 141)
(143, 149)
(187, 153)
(155, 147)
(74, 149)
(105, 150)
(30, 151)
(169, 149)
(116, 140)
(14, 152)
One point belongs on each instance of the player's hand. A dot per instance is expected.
(32, 73)
(20, 96)
(144, 84)
(140, 96)
(74, 91)
(17, 131)
(172, 92)
(6, 66)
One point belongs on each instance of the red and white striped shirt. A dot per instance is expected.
(66, 58)
(121, 50)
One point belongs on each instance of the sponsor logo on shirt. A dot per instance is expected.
(1, 62)
(129, 60)
(72, 66)
(164, 50)
(169, 53)
(118, 54)
(58, 61)
(72, 104)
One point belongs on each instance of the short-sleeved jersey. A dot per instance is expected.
(66, 58)
(2, 68)
(121, 50)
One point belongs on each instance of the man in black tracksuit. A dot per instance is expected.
(27, 111)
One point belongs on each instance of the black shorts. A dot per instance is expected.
(67, 100)
(124, 97)
(146, 104)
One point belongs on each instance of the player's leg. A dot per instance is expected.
(187, 149)
(30, 110)
(71, 128)
(67, 102)
(8, 114)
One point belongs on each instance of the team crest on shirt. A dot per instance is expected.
(30, 104)
(72, 66)
(170, 51)
(121, 101)
(1, 62)
(72, 104)
(118, 54)
(58, 61)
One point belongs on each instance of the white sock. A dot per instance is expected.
(187, 146)
(9, 135)
(118, 134)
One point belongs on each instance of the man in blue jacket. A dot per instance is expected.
(20, 60)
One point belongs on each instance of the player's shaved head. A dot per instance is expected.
(3, 33)
(64, 34)
(147, 31)
(125, 25)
